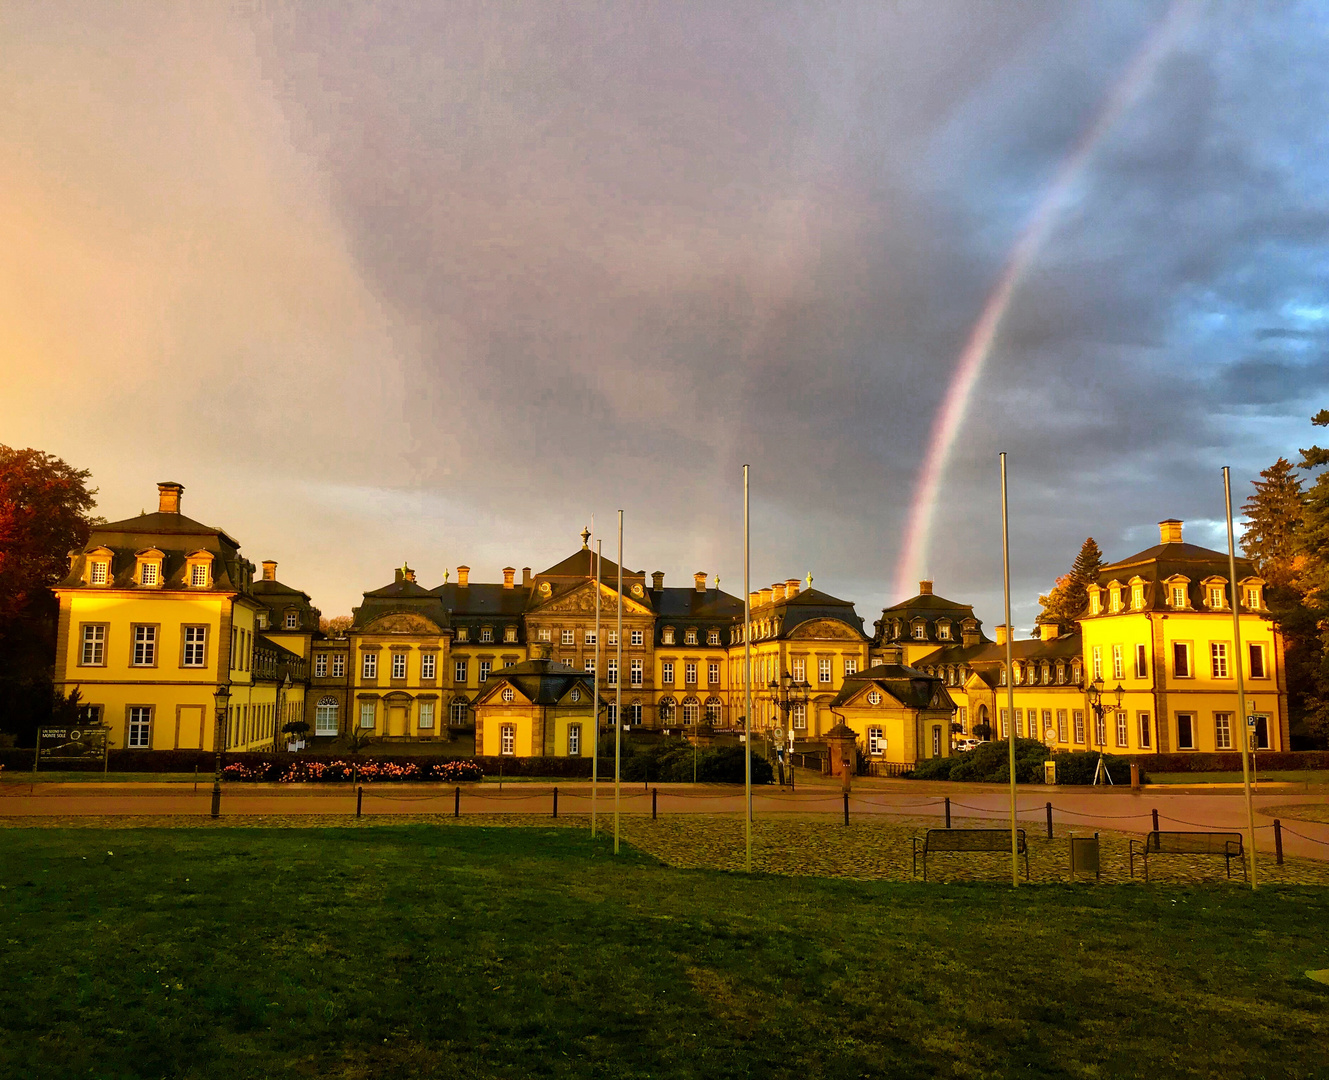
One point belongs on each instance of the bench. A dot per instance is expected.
(997, 841)
(1227, 844)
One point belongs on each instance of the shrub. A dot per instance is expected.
(1078, 766)
(670, 761)
(987, 763)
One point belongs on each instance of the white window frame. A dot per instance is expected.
(712, 637)
(825, 673)
(149, 573)
(325, 717)
(338, 665)
(486, 635)
(321, 665)
(691, 711)
(459, 671)
(667, 673)
(612, 639)
(428, 666)
(799, 715)
(507, 740)
(145, 646)
(712, 710)
(574, 740)
(399, 665)
(850, 666)
(369, 666)
(368, 711)
(666, 709)
(690, 636)
(1077, 726)
(635, 673)
(138, 727)
(567, 637)
(544, 634)
(1123, 729)
(1096, 661)
(92, 652)
(638, 637)
(689, 674)
(292, 620)
(426, 720)
(457, 713)
(667, 636)
(1143, 722)
(713, 673)
(486, 666)
(99, 573)
(1218, 660)
(198, 575)
(800, 667)
(194, 653)
(611, 671)
(588, 637)
(1118, 663)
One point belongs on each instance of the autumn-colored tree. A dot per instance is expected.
(336, 626)
(1066, 602)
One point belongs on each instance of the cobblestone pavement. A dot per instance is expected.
(787, 845)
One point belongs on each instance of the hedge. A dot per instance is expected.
(989, 763)
(1230, 761)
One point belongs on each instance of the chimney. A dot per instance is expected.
(657, 580)
(269, 570)
(409, 574)
(168, 497)
(699, 580)
(765, 596)
(777, 591)
(791, 588)
(398, 574)
(1048, 630)
(463, 577)
(1169, 531)
(526, 576)
(509, 572)
(969, 636)
(754, 599)
(925, 588)
(1000, 632)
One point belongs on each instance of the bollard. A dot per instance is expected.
(1278, 842)
(1135, 776)
(655, 794)
(1155, 813)
(1049, 821)
(948, 811)
(846, 808)
(195, 778)
(555, 802)
(359, 798)
(456, 802)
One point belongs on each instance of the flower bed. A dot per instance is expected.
(338, 770)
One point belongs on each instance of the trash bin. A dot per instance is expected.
(1084, 855)
(1049, 772)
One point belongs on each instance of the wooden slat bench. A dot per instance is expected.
(996, 841)
(1227, 844)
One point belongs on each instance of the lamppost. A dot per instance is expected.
(218, 739)
(787, 693)
(1100, 731)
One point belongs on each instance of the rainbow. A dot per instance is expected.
(978, 346)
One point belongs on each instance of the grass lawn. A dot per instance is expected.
(88, 776)
(1299, 776)
(396, 951)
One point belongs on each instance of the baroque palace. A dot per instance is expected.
(159, 612)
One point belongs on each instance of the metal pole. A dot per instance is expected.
(747, 683)
(1236, 663)
(218, 739)
(618, 686)
(1010, 672)
(556, 801)
(595, 685)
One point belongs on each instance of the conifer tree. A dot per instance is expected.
(1070, 595)
(1274, 516)
(1312, 583)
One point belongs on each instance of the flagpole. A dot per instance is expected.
(595, 682)
(1010, 672)
(747, 682)
(1236, 662)
(618, 686)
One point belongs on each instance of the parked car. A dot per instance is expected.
(966, 742)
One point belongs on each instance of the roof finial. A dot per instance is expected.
(445, 576)
(717, 582)
(585, 538)
(809, 579)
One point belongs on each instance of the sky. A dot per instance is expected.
(410, 282)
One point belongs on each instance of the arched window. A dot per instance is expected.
(1047, 673)
(691, 710)
(1075, 671)
(712, 710)
(667, 707)
(1061, 672)
(634, 713)
(325, 716)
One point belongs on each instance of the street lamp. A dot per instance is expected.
(1095, 692)
(786, 694)
(223, 700)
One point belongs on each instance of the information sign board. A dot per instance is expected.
(65, 743)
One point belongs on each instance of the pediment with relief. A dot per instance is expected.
(825, 629)
(402, 623)
(581, 601)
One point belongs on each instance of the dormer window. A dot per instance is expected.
(149, 568)
(713, 637)
(99, 572)
(1217, 597)
(667, 636)
(1178, 593)
(920, 631)
(1114, 597)
(1061, 672)
(944, 631)
(1075, 671)
(1253, 593)
(1095, 600)
(262, 620)
(1137, 596)
(509, 634)
(689, 636)
(292, 620)
(1002, 679)
(463, 635)
(198, 576)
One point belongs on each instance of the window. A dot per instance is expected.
(1062, 731)
(149, 573)
(1261, 732)
(508, 694)
(1005, 723)
(944, 631)
(589, 666)
(1076, 671)
(920, 631)
(666, 710)
(691, 710)
(800, 670)
(876, 741)
(712, 710)
(713, 673)
(1096, 658)
(486, 633)
(638, 637)
(567, 637)
(320, 665)
(634, 673)
(262, 620)
(1019, 721)
(198, 575)
(613, 638)
(1181, 659)
(544, 634)
(428, 665)
(1178, 596)
(1222, 731)
(1141, 662)
(459, 671)
(712, 637)
(1143, 725)
(1257, 660)
(325, 716)
(1123, 736)
(1095, 602)
(611, 672)
(338, 666)
(463, 634)
(611, 715)
(799, 712)
(634, 713)
(1185, 731)
(145, 646)
(1047, 723)
(667, 636)
(1253, 597)
(1114, 600)
(850, 666)
(1218, 659)
(457, 713)
(589, 637)
(1118, 664)
(874, 697)
(574, 740)
(366, 714)
(824, 671)
(509, 634)
(195, 646)
(485, 666)
(1077, 723)
(369, 666)
(399, 665)
(1137, 597)
(94, 646)
(690, 636)
(507, 739)
(98, 574)
(1217, 596)
(1001, 676)
(140, 727)
(667, 673)
(690, 674)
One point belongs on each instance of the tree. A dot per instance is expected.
(44, 506)
(1311, 581)
(336, 626)
(1274, 515)
(1068, 598)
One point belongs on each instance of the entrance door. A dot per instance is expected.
(1261, 732)
(397, 720)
